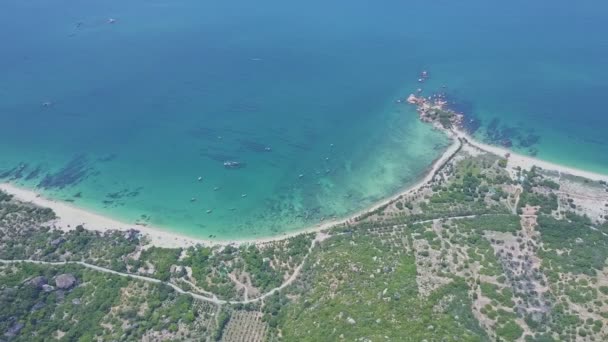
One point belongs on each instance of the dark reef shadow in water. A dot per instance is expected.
(35, 173)
(74, 172)
(124, 193)
(6, 173)
(510, 136)
(471, 122)
(254, 146)
(115, 199)
(495, 131)
(22, 171)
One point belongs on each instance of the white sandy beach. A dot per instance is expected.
(70, 216)
(526, 162)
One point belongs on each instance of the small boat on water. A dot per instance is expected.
(216, 188)
(200, 179)
(244, 195)
(268, 149)
(209, 211)
(229, 164)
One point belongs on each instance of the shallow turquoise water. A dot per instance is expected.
(143, 107)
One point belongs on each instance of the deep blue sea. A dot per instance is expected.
(120, 106)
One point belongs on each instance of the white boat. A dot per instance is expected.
(229, 164)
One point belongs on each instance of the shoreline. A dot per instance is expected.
(70, 216)
(526, 162)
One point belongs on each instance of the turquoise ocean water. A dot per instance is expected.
(302, 94)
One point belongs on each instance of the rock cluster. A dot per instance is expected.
(65, 281)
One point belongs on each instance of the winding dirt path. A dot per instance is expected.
(178, 289)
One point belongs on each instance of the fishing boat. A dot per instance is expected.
(229, 164)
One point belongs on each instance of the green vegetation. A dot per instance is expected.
(444, 117)
(571, 245)
(161, 260)
(546, 203)
(106, 250)
(509, 331)
(272, 309)
(497, 223)
(4, 197)
(504, 297)
(222, 320)
(550, 184)
(358, 296)
(97, 298)
(263, 275)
